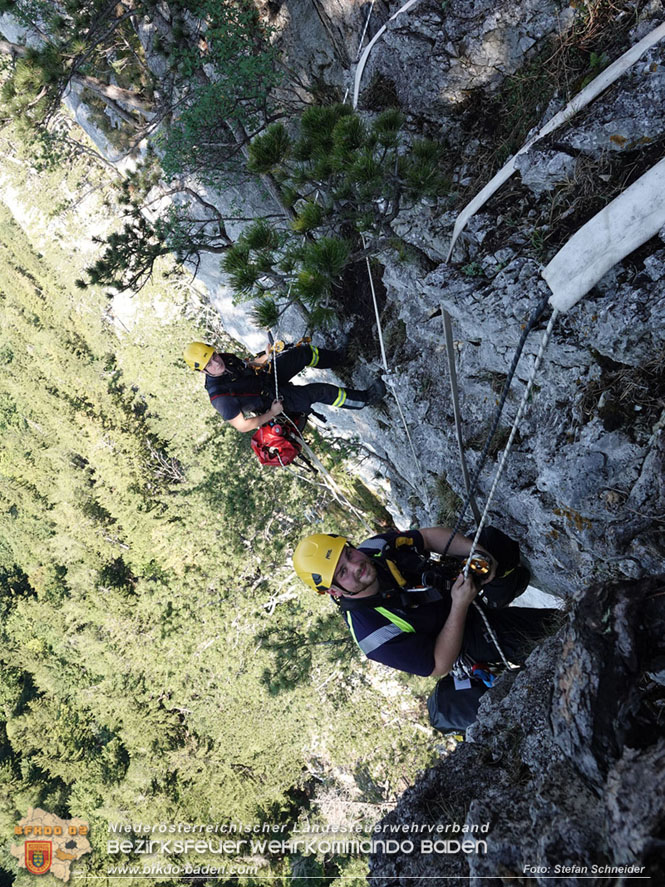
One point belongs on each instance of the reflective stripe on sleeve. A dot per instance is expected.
(315, 356)
(382, 635)
(402, 624)
(378, 638)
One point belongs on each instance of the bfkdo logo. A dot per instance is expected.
(38, 856)
(51, 844)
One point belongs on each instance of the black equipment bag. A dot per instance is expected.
(451, 709)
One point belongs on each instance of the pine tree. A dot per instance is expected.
(346, 181)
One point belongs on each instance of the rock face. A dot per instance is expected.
(584, 480)
(436, 53)
(565, 762)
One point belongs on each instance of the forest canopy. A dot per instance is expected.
(151, 663)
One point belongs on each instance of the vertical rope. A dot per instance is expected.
(362, 36)
(421, 475)
(513, 432)
(454, 392)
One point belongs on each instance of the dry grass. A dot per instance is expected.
(561, 68)
(627, 398)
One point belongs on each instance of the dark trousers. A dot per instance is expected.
(517, 629)
(300, 398)
(292, 361)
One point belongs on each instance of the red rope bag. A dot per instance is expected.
(277, 442)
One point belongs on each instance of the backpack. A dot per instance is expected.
(277, 443)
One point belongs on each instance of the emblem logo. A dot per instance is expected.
(38, 856)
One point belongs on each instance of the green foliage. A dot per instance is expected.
(270, 149)
(598, 61)
(131, 253)
(344, 179)
(264, 313)
(310, 216)
(259, 235)
(158, 662)
(76, 40)
(222, 70)
(234, 45)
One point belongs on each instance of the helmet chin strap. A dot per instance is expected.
(344, 591)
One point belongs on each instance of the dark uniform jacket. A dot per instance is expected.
(238, 390)
(389, 632)
(403, 635)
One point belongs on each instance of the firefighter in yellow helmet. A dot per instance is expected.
(237, 387)
(197, 355)
(405, 612)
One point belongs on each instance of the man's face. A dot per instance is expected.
(355, 573)
(215, 366)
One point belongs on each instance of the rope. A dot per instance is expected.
(513, 431)
(495, 640)
(301, 476)
(471, 489)
(331, 484)
(368, 49)
(421, 476)
(499, 471)
(533, 320)
(454, 393)
(273, 358)
(362, 36)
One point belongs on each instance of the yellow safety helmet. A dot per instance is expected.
(197, 355)
(315, 559)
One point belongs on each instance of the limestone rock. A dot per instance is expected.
(565, 762)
